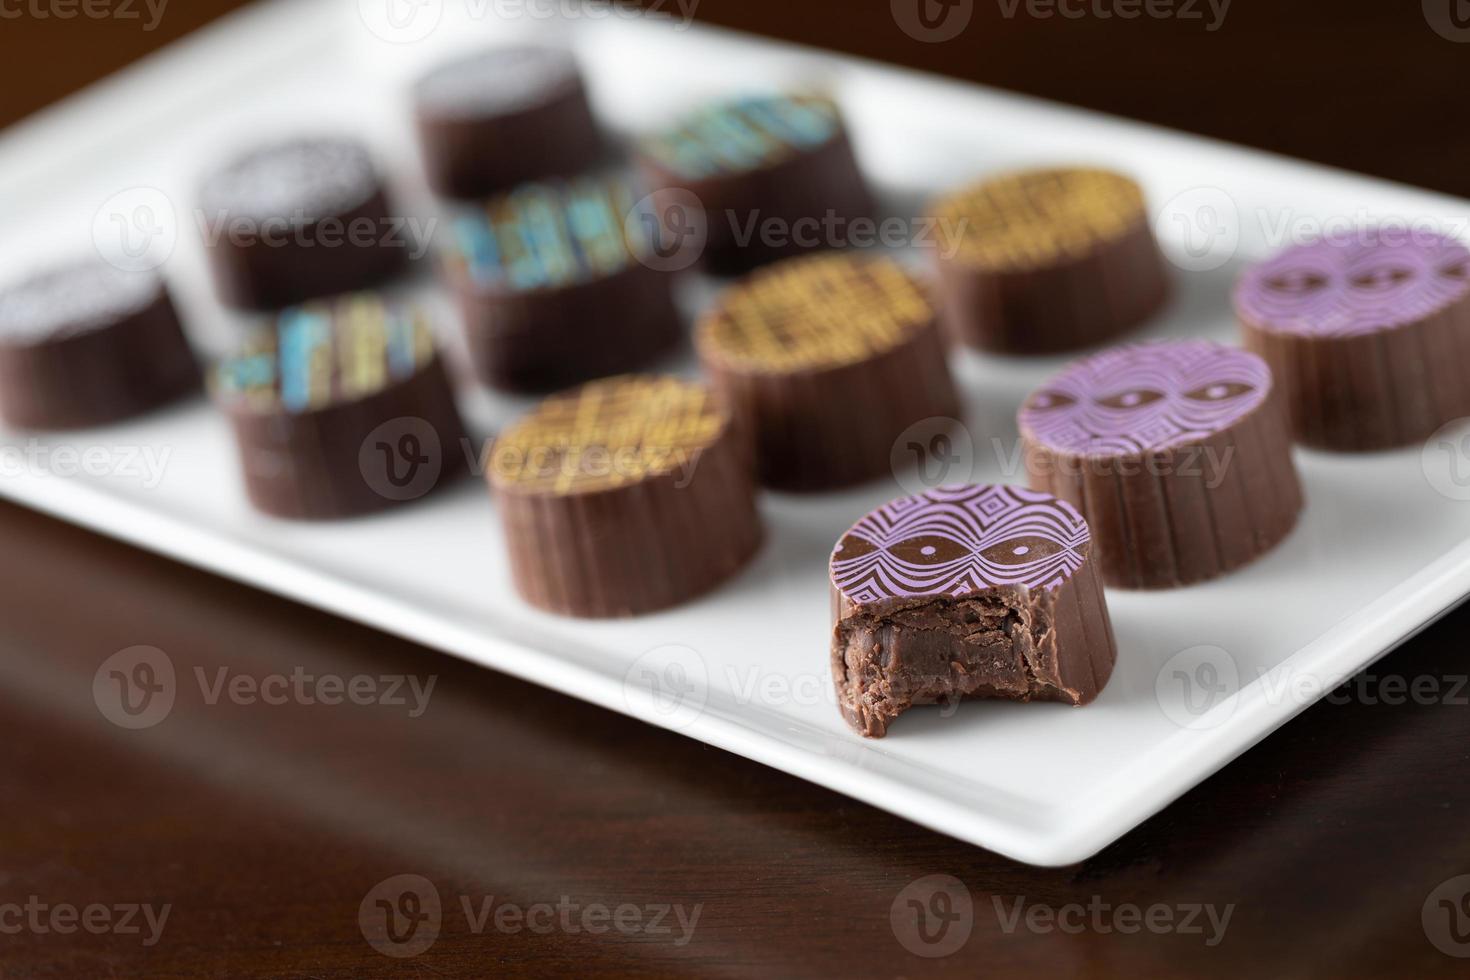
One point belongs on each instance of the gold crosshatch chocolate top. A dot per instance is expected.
(607, 434)
(1034, 218)
(811, 313)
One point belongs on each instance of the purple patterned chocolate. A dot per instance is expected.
(960, 540)
(1342, 289)
(1145, 397)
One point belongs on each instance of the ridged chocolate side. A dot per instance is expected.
(95, 376)
(811, 184)
(544, 339)
(467, 155)
(1368, 391)
(636, 548)
(1074, 303)
(308, 465)
(1182, 515)
(822, 429)
(1041, 645)
(253, 272)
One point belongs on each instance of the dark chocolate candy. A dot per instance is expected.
(772, 175)
(554, 285)
(341, 407)
(1178, 453)
(1047, 260)
(827, 359)
(624, 496)
(966, 592)
(299, 219)
(1369, 336)
(498, 118)
(88, 344)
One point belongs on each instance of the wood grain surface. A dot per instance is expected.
(554, 833)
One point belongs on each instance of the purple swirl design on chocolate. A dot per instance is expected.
(959, 540)
(1377, 281)
(1143, 397)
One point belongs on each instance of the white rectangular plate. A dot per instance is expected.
(1378, 554)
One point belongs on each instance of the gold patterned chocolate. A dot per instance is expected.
(607, 434)
(1036, 218)
(810, 313)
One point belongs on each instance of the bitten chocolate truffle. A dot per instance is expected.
(498, 118)
(87, 344)
(775, 176)
(341, 407)
(1047, 260)
(1369, 337)
(827, 359)
(1177, 452)
(294, 220)
(966, 592)
(624, 496)
(553, 287)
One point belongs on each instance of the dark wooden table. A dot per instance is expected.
(266, 830)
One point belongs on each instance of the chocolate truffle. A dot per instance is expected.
(1177, 452)
(341, 407)
(87, 344)
(827, 359)
(490, 121)
(1369, 338)
(299, 219)
(966, 592)
(624, 496)
(1047, 260)
(774, 176)
(553, 287)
